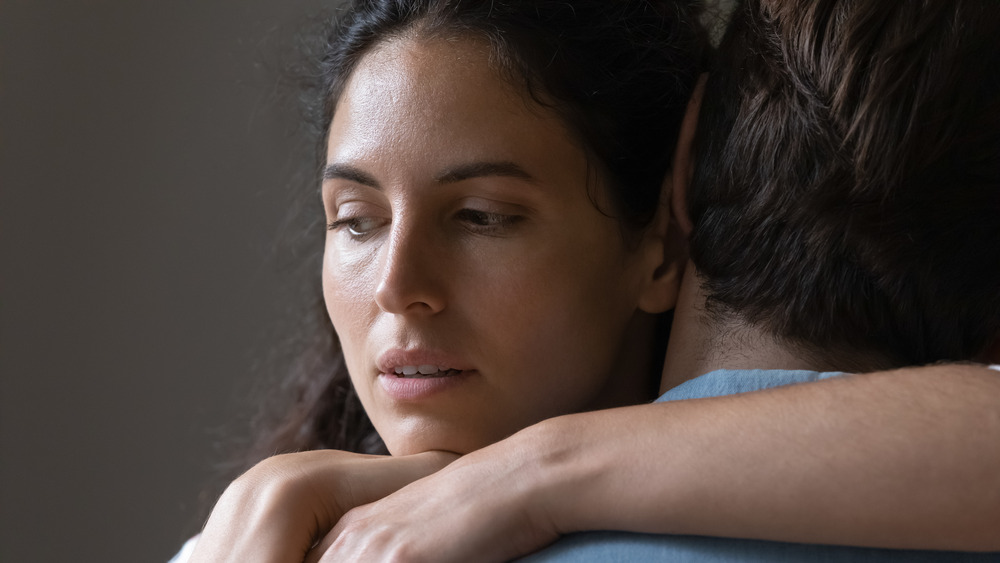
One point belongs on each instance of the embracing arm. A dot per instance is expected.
(907, 459)
(868, 460)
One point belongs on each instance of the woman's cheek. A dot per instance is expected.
(350, 271)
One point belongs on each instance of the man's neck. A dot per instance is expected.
(700, 343)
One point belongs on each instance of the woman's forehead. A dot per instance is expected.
(428, 79)
(436, 102)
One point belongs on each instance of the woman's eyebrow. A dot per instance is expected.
(480, 169)
(459, 173)
(350, 173)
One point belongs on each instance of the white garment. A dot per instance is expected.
(185, 553)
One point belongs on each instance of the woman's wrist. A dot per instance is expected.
(560, 475)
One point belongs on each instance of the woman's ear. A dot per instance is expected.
(684, 158)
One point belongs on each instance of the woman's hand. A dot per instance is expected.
(278, 509)
(483, 507)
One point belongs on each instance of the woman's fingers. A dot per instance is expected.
(276, 511)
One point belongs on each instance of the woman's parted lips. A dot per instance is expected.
(416, 362)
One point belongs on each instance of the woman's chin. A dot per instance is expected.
(457, 442)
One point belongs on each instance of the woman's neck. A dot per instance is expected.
(636, 374)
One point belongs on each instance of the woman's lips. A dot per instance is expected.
(416, 387)
(413, 361)
(425, 371)
(415, 374)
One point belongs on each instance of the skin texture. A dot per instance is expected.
(479, 252)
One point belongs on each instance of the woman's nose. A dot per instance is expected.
(413, 272)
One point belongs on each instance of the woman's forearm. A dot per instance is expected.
(907, 459)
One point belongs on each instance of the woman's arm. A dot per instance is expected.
(278, 509)
(908, 458)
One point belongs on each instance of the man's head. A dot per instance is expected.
(846, 192)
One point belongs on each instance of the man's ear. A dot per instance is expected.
(684, 158)
(666, 238)
(665, 265)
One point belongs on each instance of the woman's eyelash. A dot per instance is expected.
(484, 222)
(336, 224)
(357, 227)
(488, 220)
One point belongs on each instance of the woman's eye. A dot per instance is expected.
(484, 221)
(357, 227)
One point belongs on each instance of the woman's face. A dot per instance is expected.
(473, 283)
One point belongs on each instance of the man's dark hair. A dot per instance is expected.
(846, 195)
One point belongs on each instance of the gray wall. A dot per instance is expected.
(144, 164)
